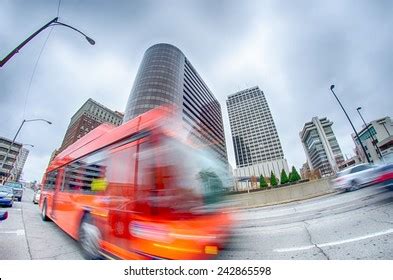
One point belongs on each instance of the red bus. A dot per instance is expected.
(138, 191)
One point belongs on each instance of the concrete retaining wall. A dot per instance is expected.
(283, 194)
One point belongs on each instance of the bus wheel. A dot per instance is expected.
(89, 237)
(44, 216)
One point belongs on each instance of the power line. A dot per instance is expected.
(36, 63)
(58, 8)
(34, 70)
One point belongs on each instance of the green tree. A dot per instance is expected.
(273, 180)
(294, 175)
(262, 182)
(284, 177)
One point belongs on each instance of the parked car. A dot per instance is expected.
(36, 196)
(18, 189)
(355, 177)
(6, 196)
(3, 216)
(384, 175)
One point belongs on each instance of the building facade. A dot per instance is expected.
(88, 117)
(20, 163)
(166, 77)
(376, 138)
(254, 134)
(8, 167)
(321, 147)
(256, 143)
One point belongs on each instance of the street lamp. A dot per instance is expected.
(357, 135)
(30, 145)
(53, 22)
(16, 135)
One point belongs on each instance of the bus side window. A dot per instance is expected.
(50, 181)
(121, 170)
(81, 176)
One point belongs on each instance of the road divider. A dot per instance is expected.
(282, 194)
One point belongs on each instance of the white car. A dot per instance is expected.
(36, 196)
(355, 177)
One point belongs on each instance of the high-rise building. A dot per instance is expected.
(20, 162)
(256, 143)
(166, 77)
(377, 139)
(88, 117)
(8, 165)
(321, 146)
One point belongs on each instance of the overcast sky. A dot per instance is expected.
(293, 50)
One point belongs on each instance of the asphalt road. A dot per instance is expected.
(25, 236)
(355, 225)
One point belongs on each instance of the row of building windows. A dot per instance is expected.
(200, 84)
(206, 112)
(191, 90)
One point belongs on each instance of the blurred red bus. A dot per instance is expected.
(138, 191)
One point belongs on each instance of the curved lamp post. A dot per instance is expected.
(357, 135)
(16, 135)
(30, 145)
(53, 22)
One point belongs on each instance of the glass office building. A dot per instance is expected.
(254, 133)
(166, 76)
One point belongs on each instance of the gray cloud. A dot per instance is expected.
(292, 49)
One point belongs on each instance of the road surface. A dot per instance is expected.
(25, 236)
(355, 225)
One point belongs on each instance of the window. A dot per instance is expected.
(81, 174)
(121, 166)
(50, 182)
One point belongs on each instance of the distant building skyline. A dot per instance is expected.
(320, 146)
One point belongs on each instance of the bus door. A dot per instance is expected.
(57, 188)
(48, 190)
(64, 203)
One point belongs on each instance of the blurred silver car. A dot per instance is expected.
(36, 196)
(355, 177)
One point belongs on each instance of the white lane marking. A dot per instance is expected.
(389, 231)
(17, 232)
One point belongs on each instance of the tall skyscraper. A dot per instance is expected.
(88, 117)
(256, 143)
(321, 146)
(166, 76)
